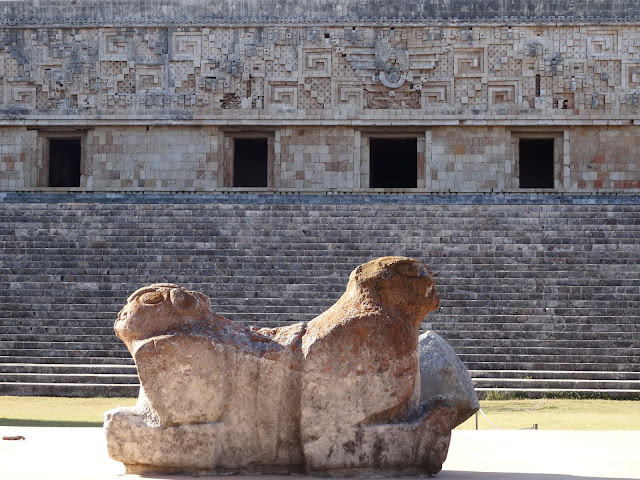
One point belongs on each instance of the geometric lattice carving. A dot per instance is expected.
(503, 94)
(279, 93)
(209, 68)
(114, 47)
(601, 43)
(149, 77)
(51, 75)
(469, 62)
(21, 96)
(235, 67)
(436, 94)
(316, 63)
(633, 76)
(348, 93)
(423, 61)
(186, 46)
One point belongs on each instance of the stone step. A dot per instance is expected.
(513, 279)
(504, 265)
(56, 330)
(534, 323)
(63, 352)
(557, 384)
(546, 356)
(558, 374)
(101, 346)
(564, 343)
(67, 369)
(69, 389)
(546, 350)
(82, 378)
(589, 333)
(40, 358)
(532, 363)
(140, 226)
(445, 221)
(59, 337)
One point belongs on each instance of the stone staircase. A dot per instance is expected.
(539, 293)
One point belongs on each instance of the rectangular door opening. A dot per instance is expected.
(536, 163)
(250, 160)
(393, 162)
(64, 162)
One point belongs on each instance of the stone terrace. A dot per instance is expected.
(538, 292)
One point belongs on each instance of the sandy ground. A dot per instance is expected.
(81, 454)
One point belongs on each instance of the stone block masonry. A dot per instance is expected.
(156, 158)
(195, 158)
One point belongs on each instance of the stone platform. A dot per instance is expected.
(81, 454)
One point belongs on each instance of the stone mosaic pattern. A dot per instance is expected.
(204, 72)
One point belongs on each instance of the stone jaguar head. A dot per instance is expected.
(157, 309)
(399, 283)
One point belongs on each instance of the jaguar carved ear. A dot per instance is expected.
(184, 301)
(203, 298)
(156, 287)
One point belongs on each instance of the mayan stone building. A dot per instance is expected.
(199, 96)
(496, 140)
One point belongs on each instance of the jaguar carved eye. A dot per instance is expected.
(151, 298)
(410, 270)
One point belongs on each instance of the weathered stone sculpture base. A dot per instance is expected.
(145, 449)
(417, 447)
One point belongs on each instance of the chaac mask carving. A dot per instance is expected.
(337, 395)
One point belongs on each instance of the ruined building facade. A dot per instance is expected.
(345, 96)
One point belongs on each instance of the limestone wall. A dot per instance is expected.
(451, 159)
(605, 158)
(17, 158)
(157, 158)
(315, 158)
(472, 160)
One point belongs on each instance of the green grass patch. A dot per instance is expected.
(547, 413)
(557, 414)
(57, 411)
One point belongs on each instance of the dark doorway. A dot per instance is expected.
(64, 162)
(393, 162)
(250, 162)
(536, 163)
